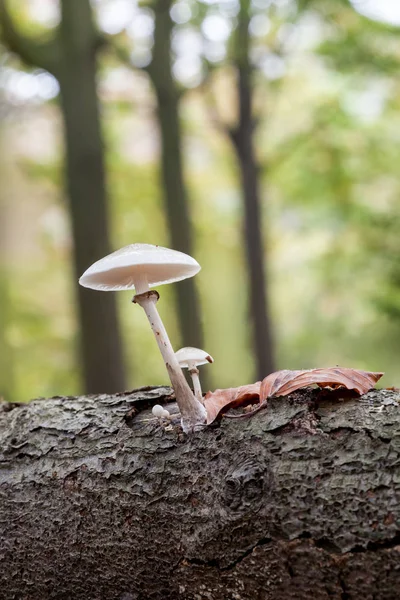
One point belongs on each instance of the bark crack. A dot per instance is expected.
(344, 595)
(214, 562)
(331, 548)
(376, 546)
(323, 543)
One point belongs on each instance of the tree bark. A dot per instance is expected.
(173, 185)
(99, 500)
(243, 141)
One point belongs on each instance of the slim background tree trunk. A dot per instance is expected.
(243, 142)
(299, 502)
(86, 188)
(6, 353)
(71, 57)
(174, 188)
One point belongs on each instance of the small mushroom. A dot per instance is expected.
(160, 412)
(141, 267)
(190, 358)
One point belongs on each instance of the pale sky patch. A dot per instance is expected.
(216, 28)
(114, 17)
(45, 12)
(387, 11)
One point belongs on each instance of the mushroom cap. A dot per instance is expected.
(187, 357)
(157, 265)
(158, 410)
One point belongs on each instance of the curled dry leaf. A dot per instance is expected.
(216, 402)
(285, 382)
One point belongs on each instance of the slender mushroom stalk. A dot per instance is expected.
(191, 358)
(194, 373)
(192, 411)
(139, 267)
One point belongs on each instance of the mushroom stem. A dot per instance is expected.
(194, 372)
(193, 413)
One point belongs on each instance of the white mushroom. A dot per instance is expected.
(140, 267)
(190, 358)
(160, 412)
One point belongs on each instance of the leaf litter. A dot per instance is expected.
(283, 383)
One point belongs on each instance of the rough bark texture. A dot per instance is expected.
(174, 189)
(243, 141)
(99, 500)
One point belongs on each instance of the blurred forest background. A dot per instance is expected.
(260, 136)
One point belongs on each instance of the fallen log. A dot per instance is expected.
(99, 500)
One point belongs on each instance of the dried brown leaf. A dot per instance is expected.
(219, 400)
(285, 382)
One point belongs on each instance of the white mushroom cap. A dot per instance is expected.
(122, 269)
(158, 410)
(189, 357)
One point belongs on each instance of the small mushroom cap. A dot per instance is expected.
(189, 357)
(158, 411)
(155, 264)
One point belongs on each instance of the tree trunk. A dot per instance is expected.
(71, 57)
(85, 180)
(174, 189)
(243, 142)
(99, 500)
(6, 353)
